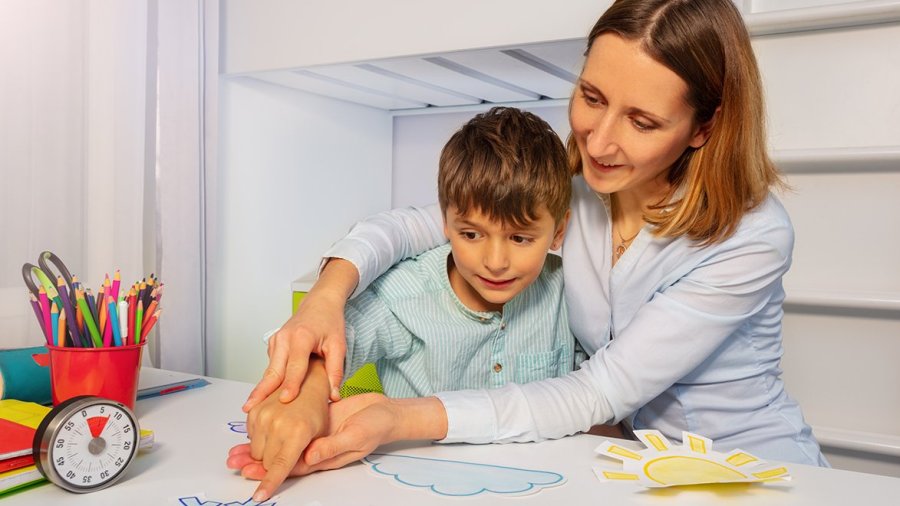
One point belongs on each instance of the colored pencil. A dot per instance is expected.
(61, 339)
(92, 305)
(132, 307)
(88, 319)
(45, 313)
(36, 306)
(117, 280)
(54, 324)
(109, 310)
(101, 311)
(149, 312)
(114, 324)
(123, 320)
(69, 309)
(138, 320)
(149, 326)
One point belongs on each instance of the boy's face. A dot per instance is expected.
(492, 262)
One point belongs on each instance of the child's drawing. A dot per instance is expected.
(692, 463)
(201, 500)
(239, 427)
(456, 478)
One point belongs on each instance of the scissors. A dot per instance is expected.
(46, 276)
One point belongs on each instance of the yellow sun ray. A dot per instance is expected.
(660, 464)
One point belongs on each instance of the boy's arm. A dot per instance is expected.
(316, 328)
(279, 432)
(373, 332)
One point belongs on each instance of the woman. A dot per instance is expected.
(674, 261)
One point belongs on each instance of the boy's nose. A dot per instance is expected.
(496, 259)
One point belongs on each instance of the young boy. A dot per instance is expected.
(483, 311)
(486, 309)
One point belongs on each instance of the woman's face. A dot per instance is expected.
(629, 119)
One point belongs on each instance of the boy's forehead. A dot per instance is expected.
(475, 216)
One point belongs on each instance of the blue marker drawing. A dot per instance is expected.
(458, 478)
(202, 501)
(239, 427)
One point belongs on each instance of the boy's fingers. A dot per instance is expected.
(239, 462)
(258, 447)
(253, 471)
(239, 449)
(278, 470)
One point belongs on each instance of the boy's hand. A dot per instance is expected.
(280, 432)
(316, 328)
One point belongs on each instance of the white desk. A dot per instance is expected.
(192, 439)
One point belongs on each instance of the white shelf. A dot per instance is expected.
(880, 301)
(868, 442)
(860, 159)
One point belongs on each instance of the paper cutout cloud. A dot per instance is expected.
(458, 478)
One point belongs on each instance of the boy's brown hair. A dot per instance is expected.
(506, 163)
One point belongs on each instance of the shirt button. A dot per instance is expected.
(498, 367)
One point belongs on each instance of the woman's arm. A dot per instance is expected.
(381, 240)
(670, 336)
(370, 249)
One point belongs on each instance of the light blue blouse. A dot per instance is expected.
(423, 339)
(680, 337)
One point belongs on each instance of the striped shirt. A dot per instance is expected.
(423, 340)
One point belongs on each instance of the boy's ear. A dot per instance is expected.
(446, 230)
(560, 231)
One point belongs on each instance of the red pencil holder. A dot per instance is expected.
(105, 372)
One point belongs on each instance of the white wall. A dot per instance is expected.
(295, 172)
(835, 89)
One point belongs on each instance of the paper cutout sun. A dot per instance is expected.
(662, 464)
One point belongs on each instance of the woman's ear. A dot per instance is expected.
(703, 131)
(560, 231)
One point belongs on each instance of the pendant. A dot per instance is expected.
(620, 249)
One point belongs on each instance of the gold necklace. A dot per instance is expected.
(624, 243)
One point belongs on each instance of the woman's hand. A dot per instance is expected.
(316, 328)
(362, 423)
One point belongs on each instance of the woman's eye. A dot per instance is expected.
(642, 125)
(590, 98)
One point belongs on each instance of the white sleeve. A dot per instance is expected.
(672, 334)
(381, 240)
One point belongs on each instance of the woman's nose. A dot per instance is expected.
(603, 137)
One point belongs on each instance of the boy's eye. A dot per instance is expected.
(521, 239)
(469, 235)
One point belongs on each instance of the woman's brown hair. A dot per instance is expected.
(705, 43)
